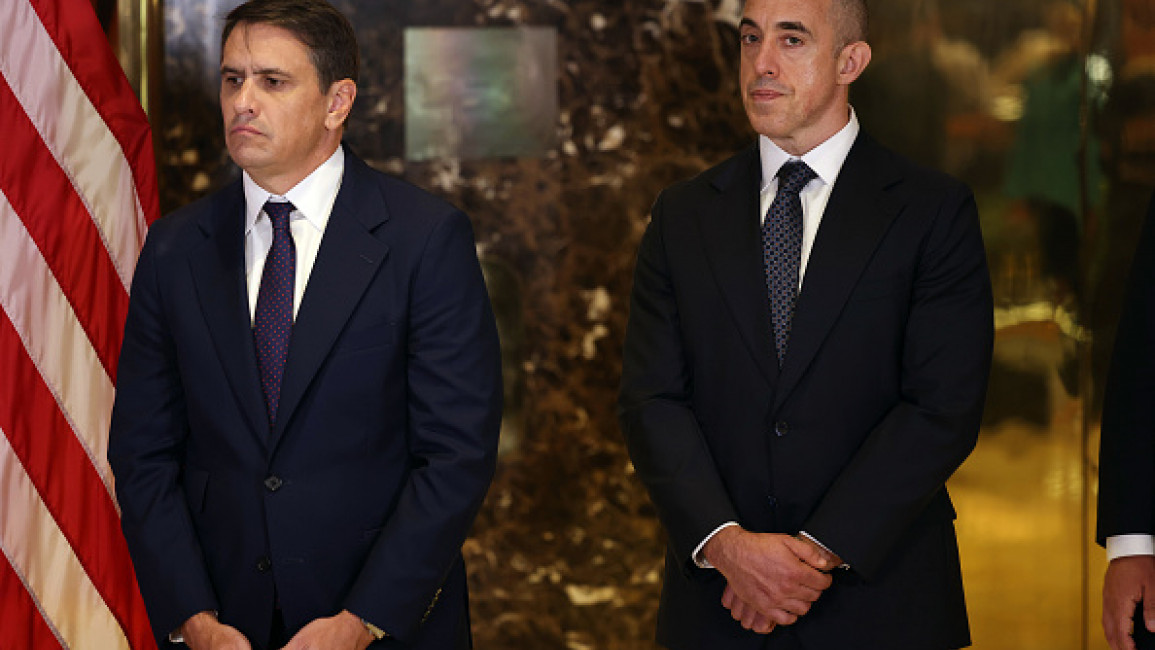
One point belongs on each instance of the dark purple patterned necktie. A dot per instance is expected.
(273, 323)
(782, 249)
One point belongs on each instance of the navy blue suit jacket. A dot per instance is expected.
(878, 401)
(385, 440)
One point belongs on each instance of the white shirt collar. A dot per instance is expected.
(826, 159)
(313, 197)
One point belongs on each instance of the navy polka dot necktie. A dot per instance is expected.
(782, 249)
(274, 314)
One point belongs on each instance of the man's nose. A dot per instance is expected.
(243, 99)
(766, 61)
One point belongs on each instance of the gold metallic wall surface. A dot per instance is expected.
(1046, 108)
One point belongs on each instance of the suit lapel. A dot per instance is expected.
(218, 271)
(731, 236)
(857, 216)
(348, 259)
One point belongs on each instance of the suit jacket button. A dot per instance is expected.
(273, 483)
(264, 564)
(772, 501)
(781, 428)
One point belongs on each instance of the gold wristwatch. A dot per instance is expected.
(377, 632)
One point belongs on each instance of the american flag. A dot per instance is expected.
(77, 192)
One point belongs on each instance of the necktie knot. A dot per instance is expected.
(278, 212)
(793, 176)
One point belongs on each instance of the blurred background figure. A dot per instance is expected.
(1053, 170)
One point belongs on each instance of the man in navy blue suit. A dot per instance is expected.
(809, 339)
(309, 392)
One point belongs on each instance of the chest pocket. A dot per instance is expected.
(873, 288)
(382, 334)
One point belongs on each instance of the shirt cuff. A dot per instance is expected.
(1126, 545)
(822, 546)
(700, 560)
(177, 636)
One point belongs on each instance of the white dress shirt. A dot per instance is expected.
(1126, 545)
(826, 160)
(312, 201)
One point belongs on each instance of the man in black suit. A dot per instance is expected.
(798, 388)
(309, 392)
(1127, 461)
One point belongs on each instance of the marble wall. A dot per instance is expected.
(567, 550)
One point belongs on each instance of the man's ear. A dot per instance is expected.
(852, 60)
(340, 97)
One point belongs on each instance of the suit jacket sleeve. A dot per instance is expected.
(662, 433)
(1127, 446)
(905, 460)
(455, 397)
(146, 451)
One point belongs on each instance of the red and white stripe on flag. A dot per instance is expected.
(77, 192)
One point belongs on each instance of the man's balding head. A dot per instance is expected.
(853, 19)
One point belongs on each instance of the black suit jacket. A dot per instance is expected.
(1127, 445)
(878, 401)
(385, 440)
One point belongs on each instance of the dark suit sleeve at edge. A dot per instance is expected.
(663, 436)
(455, 397)
(1127, 445)
(146, 450)
(906, 459)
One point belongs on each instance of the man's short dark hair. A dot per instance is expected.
(854, 20)
(325, 31)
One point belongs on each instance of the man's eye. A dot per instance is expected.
(748, 39)
(273, 82)
(232, 80)
(792, 41)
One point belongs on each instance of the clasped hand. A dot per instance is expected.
(771, 579)
(341, 632)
